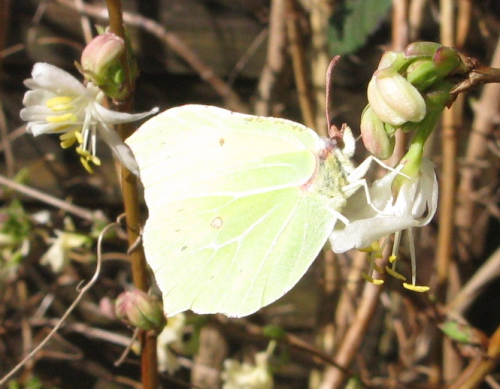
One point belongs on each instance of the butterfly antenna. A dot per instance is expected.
(333, 132)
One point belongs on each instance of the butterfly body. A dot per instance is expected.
(239, 206)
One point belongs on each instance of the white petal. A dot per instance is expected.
(57, 80)
(37, 97)
(37, 113)
(48, 128)
(362, 233)
(429, 190)
(120, 149)
(113, 117)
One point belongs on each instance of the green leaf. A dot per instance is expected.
(353, 22)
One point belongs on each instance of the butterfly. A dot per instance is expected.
(239, 205)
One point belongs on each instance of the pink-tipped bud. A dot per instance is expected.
(140, 310)
(375, 138)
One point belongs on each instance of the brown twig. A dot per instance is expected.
(51, 200)
(486, 110)
(275, 59)
(149, 363)
(478, 369)
(349, 348)
(299, 64)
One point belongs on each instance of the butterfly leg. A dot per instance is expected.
(358, 173)
(353, 186)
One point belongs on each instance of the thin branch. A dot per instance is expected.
(299, 64)
(48, 199)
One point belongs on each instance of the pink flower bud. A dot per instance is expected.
(139, 310)
(375, 138)
(100, 58)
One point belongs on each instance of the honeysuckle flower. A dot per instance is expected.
(171, 336)
(413, 205)
(238, 375)
(58, 103)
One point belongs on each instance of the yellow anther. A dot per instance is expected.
(79, 137)
(83, 153)
(67, 135)
(416, 288)
(371, 279)
(86, 165)
(374, 264)
(67, 143)
(60, 103)
(95, 160)
(395, 274)
(374, 246)
(392, 258)
(68, 117)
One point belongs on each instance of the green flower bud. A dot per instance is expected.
(395, 100)
(426, 72)
(376, 140)
(421, 49)
(101, 59)
(139, 310)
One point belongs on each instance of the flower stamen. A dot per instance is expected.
(413, 286)
(68, 117)
(60, 103)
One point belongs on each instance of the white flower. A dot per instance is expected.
(59, 103)
(238, 375)
(58, 253)
(170, 336)
(414, 206)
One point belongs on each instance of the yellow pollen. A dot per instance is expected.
(60, 103)
(67, 143)
(416, 288)
(395, 274)
(86, 165)
(95, 160)
(79, 137)
(83, 153)
(68, 117)
(371, 279)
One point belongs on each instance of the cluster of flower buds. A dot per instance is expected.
(408, 91)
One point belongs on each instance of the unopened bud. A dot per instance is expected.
(395, 100)
(101, 59)
(140, 310)
(421, 49)
(375, 138)
(426, 72)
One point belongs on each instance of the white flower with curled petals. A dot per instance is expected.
(414, 206)
(58, 103)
